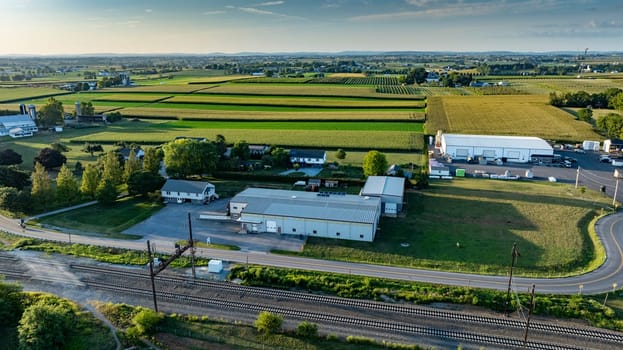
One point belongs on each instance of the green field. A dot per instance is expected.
(547, 221)
(505, 115)
(570, 84)
(21, 93)
(276, 126)
(304, 90)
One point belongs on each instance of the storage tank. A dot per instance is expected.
(78, 111)
(22, 109)
(32, 112)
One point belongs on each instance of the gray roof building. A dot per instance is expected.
(389, 189)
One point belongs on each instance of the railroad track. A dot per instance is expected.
(371, 305)
(399, 327)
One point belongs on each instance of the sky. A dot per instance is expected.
(66, 27)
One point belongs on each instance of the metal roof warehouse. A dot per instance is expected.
(320, 214)
(518, 149)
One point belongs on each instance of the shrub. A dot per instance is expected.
(146, 320)
(307, 329)
(268, 323)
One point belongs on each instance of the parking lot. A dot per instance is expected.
(171, 223)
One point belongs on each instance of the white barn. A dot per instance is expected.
(389, 189)
(316, 214)
(181, 191)
(518, 149)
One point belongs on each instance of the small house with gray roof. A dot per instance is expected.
(181, 191)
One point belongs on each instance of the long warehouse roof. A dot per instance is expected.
(309, 205)
(496, 141)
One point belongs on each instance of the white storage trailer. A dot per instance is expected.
(590, 146)
(517, 149)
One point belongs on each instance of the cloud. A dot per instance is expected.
(419, 2)
(149, 10)
(211, 13)
(271, 3)
(256, 11)
(132, 23)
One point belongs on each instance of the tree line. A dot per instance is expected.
(611, 98)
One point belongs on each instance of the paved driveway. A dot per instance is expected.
(307, 171)
(171, 223)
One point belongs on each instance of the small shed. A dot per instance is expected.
(390, 189)
(215, 266)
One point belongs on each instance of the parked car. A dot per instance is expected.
(604, 159)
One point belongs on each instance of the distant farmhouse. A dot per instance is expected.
(19, 125)
(305, 157)
(181, 191)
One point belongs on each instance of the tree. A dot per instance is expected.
(59, 147)
(106, 192)
(307, 329)
(111, 168)
(113, 117)
(11, 304)
(268, 323)
(151, 160)
(45, 325)
(340, 154)
(612, 124)
(51, 114)
(185, 157)
(10, 157)
(42, 191)
(616, 101)
(374, 163)
(241, 150)
(132, 165)
(143, 182)
(67, 188)
(86, 108)
(50, 158)
(92, 148)
(11, 176)
(14, 200)
(585, 114)
(146, 320)
(280, 157)
(90, 180)
(221, 145)
(416, 75)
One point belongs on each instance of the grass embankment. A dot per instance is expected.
(549, 223)
(505, 115)
(104, 221)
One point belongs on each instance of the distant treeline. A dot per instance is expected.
(611, 98)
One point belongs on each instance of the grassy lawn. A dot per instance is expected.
(108, 221)
(547, 221)
(505, 115)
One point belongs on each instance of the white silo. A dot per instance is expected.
(78, 111)
(32, 112)
(22, 109)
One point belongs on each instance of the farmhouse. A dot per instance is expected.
(308, 157)
(317, 214)
(19, 125)
(389, 189)
(182, 191)
(518, 149)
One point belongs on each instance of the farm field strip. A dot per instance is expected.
(290, 125)
(254, 114)
(303, 90)
(545, 86)
(505, 115)
(295, 101)
(164, 88)
(382, 140)
(24, 93)
(251, 108)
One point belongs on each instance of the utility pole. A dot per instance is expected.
(577, 178)
(530, 308)
(514, 255)
(153, 272)
(192, 246)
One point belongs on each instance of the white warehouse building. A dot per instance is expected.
(517, 149)
(316, 214)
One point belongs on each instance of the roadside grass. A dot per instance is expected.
(355, 158)
(22, 93)
(199, 244)
(106, 221)
(549, 223)
(505, 115)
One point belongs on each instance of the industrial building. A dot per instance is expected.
(517, 149)
(19, 125)
(181, 191)
(317, 214)
(389, 189)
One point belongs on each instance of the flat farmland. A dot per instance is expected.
(24, 93)
(545, 86)
(314, 102)
(289, 125)
(272, 114)
(304, 90)
(166, 88)
(526, 115)
(150, 133)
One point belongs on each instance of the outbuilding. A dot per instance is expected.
(389, 189)
(517, 149)
(317, 214)
(181, 191)
(614, 146)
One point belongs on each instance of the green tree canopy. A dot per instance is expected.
(416, 75)
(241, 150)
(585, 114)
(111, 168)
(612, 124)
(12, 176)
(340, 154)
(268, 322)
(143, 182)
(10, 157)
(280, 157)
(42, 191)
(616, 101)
(67, 188)
(51, 114)
(106, 192)
(50, 158)
(92, 148)
(152, 158)
(11, 304)
(131, 165)
(185, 157)
(86, 108)
(374, 163)
(90, 180)
(45, 325)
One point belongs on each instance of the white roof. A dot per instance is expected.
(528, 142)
(185, 186)
(309, 205)
(384, 186)
(17, 120)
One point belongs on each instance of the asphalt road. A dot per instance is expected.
(610, 231)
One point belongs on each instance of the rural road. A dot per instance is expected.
(609, 229)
